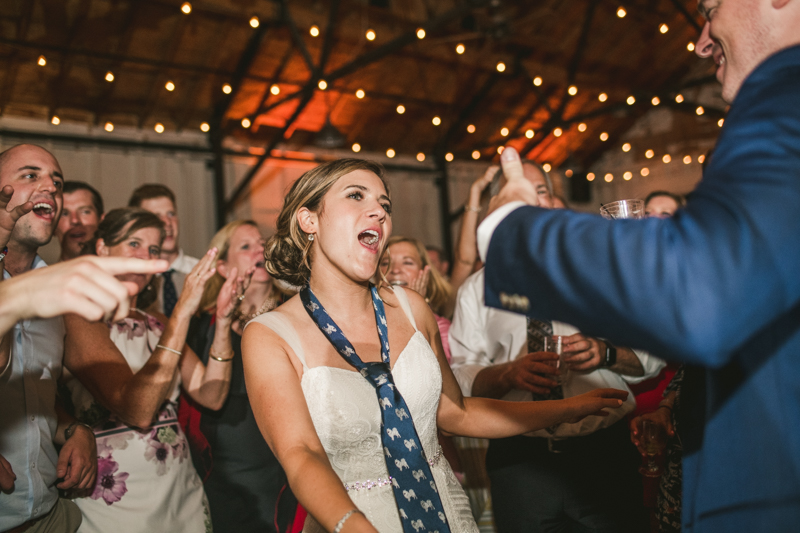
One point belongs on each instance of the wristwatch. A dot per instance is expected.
(70, 430)
(611, 355)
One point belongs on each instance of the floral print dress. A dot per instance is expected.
(145, 479)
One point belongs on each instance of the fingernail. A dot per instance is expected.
(620, 402)
(509, 154)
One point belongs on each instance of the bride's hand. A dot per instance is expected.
(593, 403)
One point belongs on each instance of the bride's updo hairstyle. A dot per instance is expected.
(287, 252)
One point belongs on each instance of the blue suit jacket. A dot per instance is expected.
(718, 285)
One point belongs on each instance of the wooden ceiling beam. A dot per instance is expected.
(57, 91)
(687, 15)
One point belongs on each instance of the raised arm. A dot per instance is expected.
(209, 384)
(98, 364)
(697, 286)
(282, 415)
(466, 252)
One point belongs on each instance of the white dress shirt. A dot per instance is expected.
(490, 223)
(482, 336)
(27, 416)
(182, 265)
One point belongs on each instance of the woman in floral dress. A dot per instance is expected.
(123, 380)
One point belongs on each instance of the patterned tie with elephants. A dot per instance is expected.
(414, 489)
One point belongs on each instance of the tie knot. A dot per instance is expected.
(378, 373)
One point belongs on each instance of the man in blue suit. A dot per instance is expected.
(717, 286)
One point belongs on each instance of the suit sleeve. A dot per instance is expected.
(695, 287)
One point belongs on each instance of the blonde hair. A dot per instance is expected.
(287, 251)
(222, 241)
(439, 289)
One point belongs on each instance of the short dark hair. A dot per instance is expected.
(97, 200)
(149, 191)
(677, 197)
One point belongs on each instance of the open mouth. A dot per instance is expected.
(77, 235)
(369, 239)
(398, 283)
(44, 210)
(260, 264)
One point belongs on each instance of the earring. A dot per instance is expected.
(310, 236)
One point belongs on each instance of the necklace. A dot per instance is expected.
(268, 305)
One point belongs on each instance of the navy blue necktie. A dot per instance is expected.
(170, 294)
(415, 490)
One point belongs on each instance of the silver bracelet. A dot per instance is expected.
(468, 208)
(176, 352)
(347, 515)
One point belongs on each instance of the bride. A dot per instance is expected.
(348, 382)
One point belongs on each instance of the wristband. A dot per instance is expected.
(176, 352)
(611, 355)
(220, 359)
(341, 522)
(70, 429)
(4, 253)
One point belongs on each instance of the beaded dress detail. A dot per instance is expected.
(347, 418)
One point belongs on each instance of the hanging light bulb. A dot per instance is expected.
(649, 154)
(204, 127)
(621, 12)
(609, 177)
(663, 28)
(547, 167)
(504, 132)
(254, 22)
(360, 94)
(687, 159)
(537, 81)
(227, 89)
(41, 61)
(557, 132)
(645, 171)
(356, 147)
(590, 176)
(186, 8)
(471, 128)
(420, 33)
(420, 157)
(602, 97)
(109, 76)
(572, 90)
(55, 120)
(401, 109)
(390, 153)
(169, 86)
(626, 147)
(159, 127)
(436, 121)
(690, 46)
(529, 134)
(109, 127)
(322, 85)
(246, 122)
(370, 35)
(314, 30)
(655, 101)
(631, 100)
(604, 136)
(582, 127)
(666, 158)
(501, 67)
(476, 155)
(460, 49)
(699, 110)
(448, 157)
(679, 98)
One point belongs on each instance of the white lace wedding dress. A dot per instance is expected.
(344, 409)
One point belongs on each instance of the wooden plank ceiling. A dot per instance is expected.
(276, 68)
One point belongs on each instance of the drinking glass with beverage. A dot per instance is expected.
(654, 441)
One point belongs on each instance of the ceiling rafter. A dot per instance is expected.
(57, 84)
(13, 65)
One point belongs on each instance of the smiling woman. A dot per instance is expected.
(124, 379)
